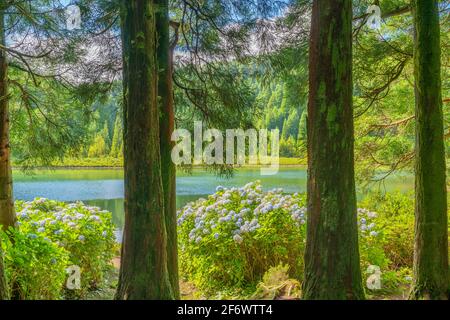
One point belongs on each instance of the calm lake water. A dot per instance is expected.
(104, 187)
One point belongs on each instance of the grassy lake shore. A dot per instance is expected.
(110, 163)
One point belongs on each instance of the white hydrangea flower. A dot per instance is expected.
(237, 238)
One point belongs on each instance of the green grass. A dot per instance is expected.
(118, 162)
(293, 161)
(89, 162)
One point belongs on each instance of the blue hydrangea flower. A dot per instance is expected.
(95, 218)
(23, 215)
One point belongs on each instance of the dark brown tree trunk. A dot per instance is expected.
(431, 278)
(332, 269)
(7, 214)
(143, 271)
(167, 124)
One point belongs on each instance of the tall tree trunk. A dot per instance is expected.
(143, 271)
(4, 294)
(332, 269)
(167, 124)
(7, 214)
(431, 239)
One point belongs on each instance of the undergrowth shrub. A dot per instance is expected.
(231, 239)
(52, 236)
(35, 267)
(396, 222)
(393, 248)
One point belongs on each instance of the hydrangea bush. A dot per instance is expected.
(230, 239)
(35, 267)
(53, 235)
(392, 248)
(396, 224)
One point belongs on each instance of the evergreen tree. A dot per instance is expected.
(165, 54)
(106, 137)
(332, 269)
(290, 125)
(287, 147)
(284, 100)
(431, 276)
(285, 131)
(143, 269)
(117, 139)
(7, 214)
(302, 132)
(98, 148)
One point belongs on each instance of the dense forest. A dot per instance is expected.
(358, 91)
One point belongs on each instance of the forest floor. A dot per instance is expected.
(188, 290)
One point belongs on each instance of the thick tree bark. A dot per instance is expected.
(167, 124)
(143, 271)
(431, 278)
(332, 269)
(7, 214)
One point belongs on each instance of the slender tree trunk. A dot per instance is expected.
(4, 294)
(143, 271)
(7, 214)
(167, 124)
(431, 278)
(332, 269)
